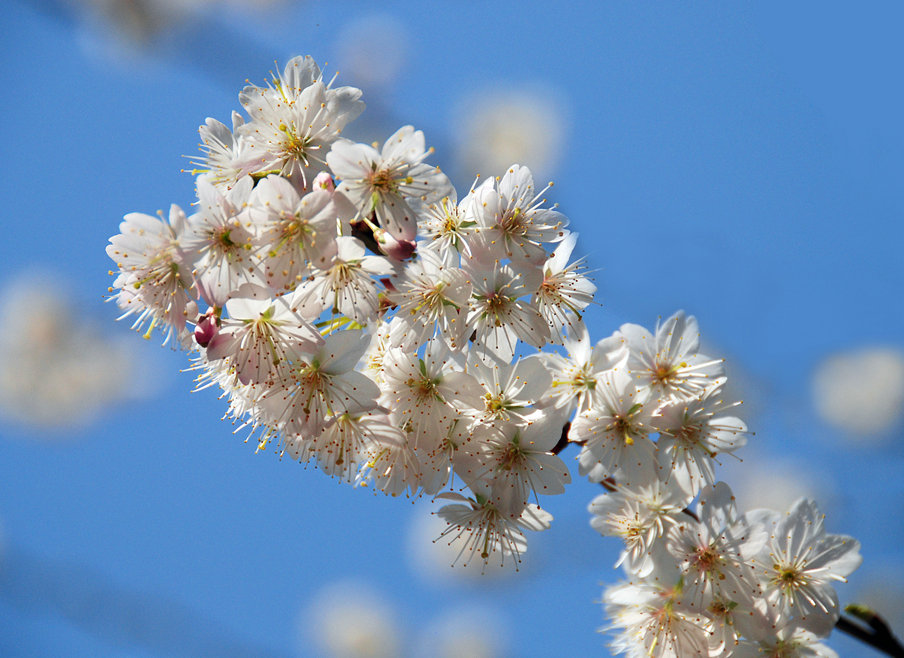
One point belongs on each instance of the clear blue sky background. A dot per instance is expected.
(742, 161)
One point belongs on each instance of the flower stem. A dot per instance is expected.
(878, 635)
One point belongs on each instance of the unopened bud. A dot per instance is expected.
(323, 181)
(206, 329)
(395, 249)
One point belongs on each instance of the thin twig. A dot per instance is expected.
(878, 635)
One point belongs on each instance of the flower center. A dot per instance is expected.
(707, 559)
(381, 180)
(512, 456)
(789, 578)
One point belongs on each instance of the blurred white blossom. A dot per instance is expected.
(474, 631)
(57, 369)
(774, 483)
(348, 619)
(132, 25)
(372, 50)
(501, 126)
(136, 22)
(861, 392)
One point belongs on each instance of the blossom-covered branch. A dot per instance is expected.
(359, 315)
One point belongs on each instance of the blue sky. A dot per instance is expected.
(742, 161)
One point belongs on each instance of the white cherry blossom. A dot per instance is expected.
(615, 431)
(225, 151)
(432, 294)
(321, 384)
(693, 434)
(640, 509)
(262, 339)
(576, 376)
(480, 530)
(294, 122)
(799, 563)
(345, 443)
(667, 358)
(154, 271)
(427, 391)
(714, 553)
(221, 233)
(564, 292)
(511, 218)
(385, 182)
(448, 227)
(346, 286)
(498, 317)
(510, 391)
(358, 316)
(655, 622)
(295, 232)
(518, 464)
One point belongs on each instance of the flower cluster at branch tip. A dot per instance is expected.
(359, 316)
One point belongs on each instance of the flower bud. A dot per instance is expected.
(323, 181)
(395, 249)
(206, 329)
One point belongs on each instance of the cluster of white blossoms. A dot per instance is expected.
(710, 582)
(360, 317)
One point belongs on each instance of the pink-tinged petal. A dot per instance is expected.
(517, 183)
(345, 105)
(717, 508)
(533, 378)
(221, 346)
(550, 474)
(395, 249)
(542, 435)
(355, 392)
(301, 72)
(462, 390)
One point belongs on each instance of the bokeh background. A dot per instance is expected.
(742, 161)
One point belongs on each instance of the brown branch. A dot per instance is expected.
(563, 439)
(878, 635)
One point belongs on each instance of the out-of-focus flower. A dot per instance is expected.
(475, 631)
(773, 483)
(56, 369)
(372, 50)
(503, 126)
(348, 619)
(861, 392)
(137, 23)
